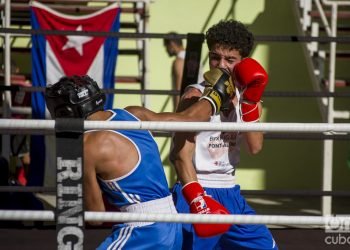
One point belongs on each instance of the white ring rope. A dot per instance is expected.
(47, 126)
(181, 218)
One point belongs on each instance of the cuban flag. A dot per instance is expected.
(54, 56)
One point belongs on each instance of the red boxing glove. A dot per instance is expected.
(252, 77)
(200, 203)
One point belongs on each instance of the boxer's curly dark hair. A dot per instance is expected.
(230, 34)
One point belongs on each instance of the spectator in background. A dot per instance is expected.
(20, 154)
(175, 47)
(15, 200)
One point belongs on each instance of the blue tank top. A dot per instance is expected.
(147, 180)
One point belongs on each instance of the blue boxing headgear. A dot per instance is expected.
(76, 96)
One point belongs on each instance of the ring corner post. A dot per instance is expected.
(69, 199)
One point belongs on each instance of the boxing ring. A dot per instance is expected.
(282, 226)
(69, 219)
(89, 237)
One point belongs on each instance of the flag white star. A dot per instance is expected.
(77, 42)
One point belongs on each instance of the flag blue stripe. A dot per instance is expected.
(37, 142)
(110, 55)
(38, 70)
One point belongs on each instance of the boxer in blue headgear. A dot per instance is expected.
(74, 97)
(124, 164)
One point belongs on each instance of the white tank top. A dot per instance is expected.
(181, 54)
(217, 153)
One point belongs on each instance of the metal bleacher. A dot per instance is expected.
(323, 18)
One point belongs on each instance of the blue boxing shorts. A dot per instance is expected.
(244, 236)
(162, 236)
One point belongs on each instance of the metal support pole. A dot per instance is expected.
(7, 77)
(328, 144)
